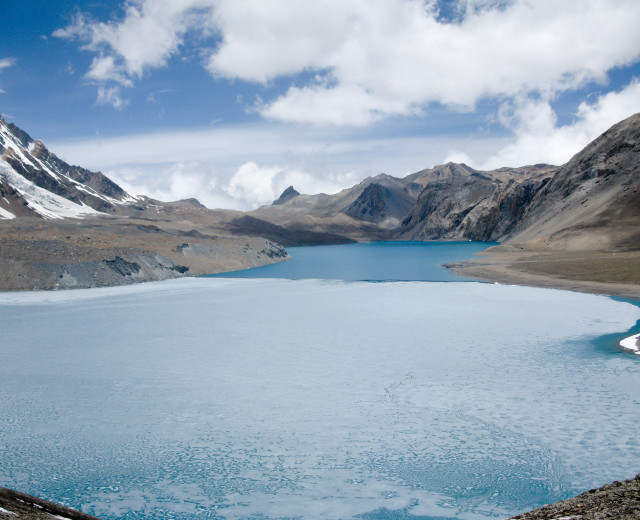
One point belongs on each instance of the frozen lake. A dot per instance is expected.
(266, 398)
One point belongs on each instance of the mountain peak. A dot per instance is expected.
(287, 195)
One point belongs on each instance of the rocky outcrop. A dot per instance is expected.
(288, 194)
(370, 205)
(381, 205)
(20, 506)
(458, 202)
(499, 215)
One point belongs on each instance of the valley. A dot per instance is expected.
(575, 226)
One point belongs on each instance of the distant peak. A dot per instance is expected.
(287, 195)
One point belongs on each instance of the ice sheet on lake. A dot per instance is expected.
(210, 398)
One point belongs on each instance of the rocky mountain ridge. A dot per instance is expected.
(35, 182)
(588, 204)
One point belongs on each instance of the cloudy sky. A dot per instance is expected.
(231, 101)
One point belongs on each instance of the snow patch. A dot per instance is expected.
(5, 512)
(6, 214)
(47, 204)
(631, 344)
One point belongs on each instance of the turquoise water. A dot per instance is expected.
(374, 261)
(219, 398)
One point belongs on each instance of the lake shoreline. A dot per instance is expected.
(596, 273)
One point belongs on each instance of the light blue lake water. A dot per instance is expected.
(373, 261)
(267, 398)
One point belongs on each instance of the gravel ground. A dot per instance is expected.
(619, 500)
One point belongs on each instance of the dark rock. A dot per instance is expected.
(615, 501)
(370, 205)
(248, 225)
(287, 195)
(122, 267)
(26, 507)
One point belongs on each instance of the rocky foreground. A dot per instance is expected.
(15, 505)
(619, 501)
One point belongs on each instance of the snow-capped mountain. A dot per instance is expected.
(34, 182)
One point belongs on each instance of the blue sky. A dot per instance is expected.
(232, 101)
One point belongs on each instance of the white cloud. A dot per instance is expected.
(395, 57)
(259, 185)
(538, 138)
(148, 35)
(253, 184)
(181, 180)
(371, 60)
(7, 62)
(312, 160)
(111, 96)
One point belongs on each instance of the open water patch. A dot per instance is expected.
(370, 261)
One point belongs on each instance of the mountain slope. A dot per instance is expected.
(86, 231)
(458, 202)
(34, 182)
(581, 229)
(359, 212)
(593, 201)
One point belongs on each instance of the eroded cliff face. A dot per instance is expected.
(465, 204)
(497, 216)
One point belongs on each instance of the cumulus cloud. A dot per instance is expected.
(149, 33)
(111, 96)
(367, 60)
(539, 138)
(177, 181)
(258, 185)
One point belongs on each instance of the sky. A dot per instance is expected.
(231, 101)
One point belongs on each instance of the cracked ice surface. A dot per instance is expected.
(214, 398)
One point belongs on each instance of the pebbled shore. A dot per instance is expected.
(619, 501)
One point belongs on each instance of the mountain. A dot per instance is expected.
(593, 201)
(456, 202)
(447, 202)
(580, 228)
(287, 194)
(63, 226)
(34, 182)
(366, 211)
(591, 204)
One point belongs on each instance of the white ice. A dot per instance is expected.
(313, 399)
(631, 344)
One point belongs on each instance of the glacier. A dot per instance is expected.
(268, 398)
